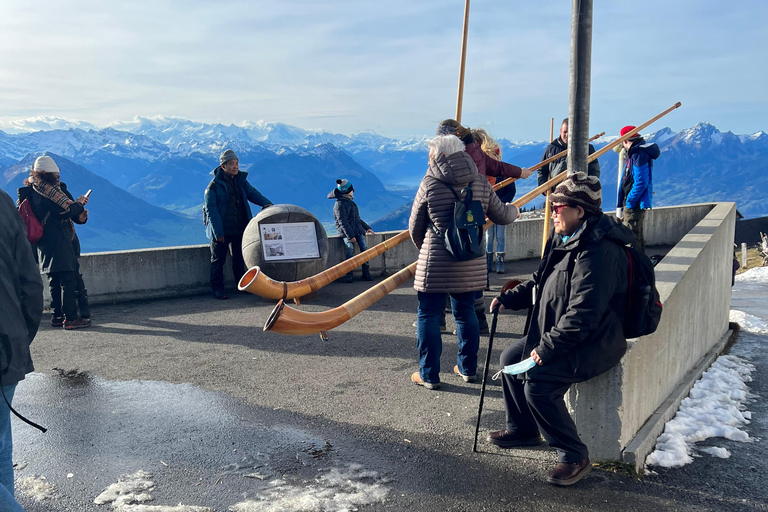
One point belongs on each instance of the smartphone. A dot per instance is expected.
(88, 193)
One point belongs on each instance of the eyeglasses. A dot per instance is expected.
(557, 207)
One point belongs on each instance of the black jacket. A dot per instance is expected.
(59, 247)
(576, 324)
(552, 169)
(348, 221)
(21, 295)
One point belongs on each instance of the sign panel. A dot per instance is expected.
(289, 241)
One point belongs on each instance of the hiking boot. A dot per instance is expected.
(367, 277)
(57, 321)
(568, 473)
(507, 439)
(500, 262)
(467, 378)
(219, 294)
(416, 379)
(347, 278)
(77, 323)
(483, 322)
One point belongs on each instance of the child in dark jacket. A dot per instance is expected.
(349, 224)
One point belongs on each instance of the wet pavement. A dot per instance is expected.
(221, 415)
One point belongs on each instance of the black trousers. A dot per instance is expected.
(535, 406)
(64, 284)
(219, 250)
(81, 294)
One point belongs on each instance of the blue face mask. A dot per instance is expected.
(521, 367)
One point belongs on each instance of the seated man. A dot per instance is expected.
(576, 333)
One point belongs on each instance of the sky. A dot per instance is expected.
(392, 67)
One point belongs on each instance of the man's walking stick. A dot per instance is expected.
(485, 374)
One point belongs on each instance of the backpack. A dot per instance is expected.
(32, 225)
(463, 238)
(643, 310)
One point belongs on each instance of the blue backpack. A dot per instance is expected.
(463, 238)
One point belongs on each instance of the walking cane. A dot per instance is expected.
(485, 373)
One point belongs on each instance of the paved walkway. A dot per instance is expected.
(219, 413)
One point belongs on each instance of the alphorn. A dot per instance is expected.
(258, 283)
(287, 320)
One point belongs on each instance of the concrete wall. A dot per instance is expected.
(612, 411)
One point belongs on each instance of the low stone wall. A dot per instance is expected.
(612, 411)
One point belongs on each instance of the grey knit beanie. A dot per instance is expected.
(226, 156)
(578, 189)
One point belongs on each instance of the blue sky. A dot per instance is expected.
(390, 67)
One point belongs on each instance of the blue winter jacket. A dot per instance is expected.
(217, 199)
(637, 184)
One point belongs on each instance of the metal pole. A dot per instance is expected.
(581, 70)
(460, 98)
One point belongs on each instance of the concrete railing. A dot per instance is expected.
(620, 413)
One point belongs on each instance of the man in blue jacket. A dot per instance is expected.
(21, 301)
(636, 191)
(227, 214)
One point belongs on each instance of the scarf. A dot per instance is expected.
(59, 198)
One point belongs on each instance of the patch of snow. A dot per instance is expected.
(716, 451)
(36, 487)
(715, 407)
(753, 275)
(337, 490)
(748, 323)
(131, 492)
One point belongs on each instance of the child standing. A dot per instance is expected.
(349, 224)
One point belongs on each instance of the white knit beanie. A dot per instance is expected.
(45, 164)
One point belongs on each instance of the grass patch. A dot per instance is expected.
(620, 468)
(753, 260)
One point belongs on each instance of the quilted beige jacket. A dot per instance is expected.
(437, 271)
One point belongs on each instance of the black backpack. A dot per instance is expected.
(464, 236)
(644, 307)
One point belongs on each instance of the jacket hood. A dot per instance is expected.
(599, 227)
(336, 194)
(651, 149)
(559, 143)
(457, 168)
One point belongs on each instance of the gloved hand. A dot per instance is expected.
(514, 299)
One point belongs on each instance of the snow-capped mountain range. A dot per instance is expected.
(166, 162)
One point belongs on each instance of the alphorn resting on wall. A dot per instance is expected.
(258, 283)
(287, 320)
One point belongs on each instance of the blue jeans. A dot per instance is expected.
(7, 501)
(350, 249)
(499, 234)
(430, 342)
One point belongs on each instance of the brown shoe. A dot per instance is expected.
(467, 378)
(77, 323)
(57, 321)
(507, 439)
(416, 379)
(568, 473)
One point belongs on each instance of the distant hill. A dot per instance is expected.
(117, 220)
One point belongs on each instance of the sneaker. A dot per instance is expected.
(219, 294)
(416, 379)
(57, 321)
(507, 439)
(568, 473)
(467, 378)
(77, 323)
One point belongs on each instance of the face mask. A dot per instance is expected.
(521, 367)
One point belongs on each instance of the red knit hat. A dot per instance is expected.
(627, 129)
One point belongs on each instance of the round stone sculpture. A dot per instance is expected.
(284, 269)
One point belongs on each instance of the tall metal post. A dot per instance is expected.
(581, 71)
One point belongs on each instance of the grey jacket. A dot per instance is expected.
(437, 271)
(21, 295)
(577, 320)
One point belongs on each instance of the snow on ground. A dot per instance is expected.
(717, 404)
(131, 492)
(337, 490)
(753, 275)
(36, 487)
